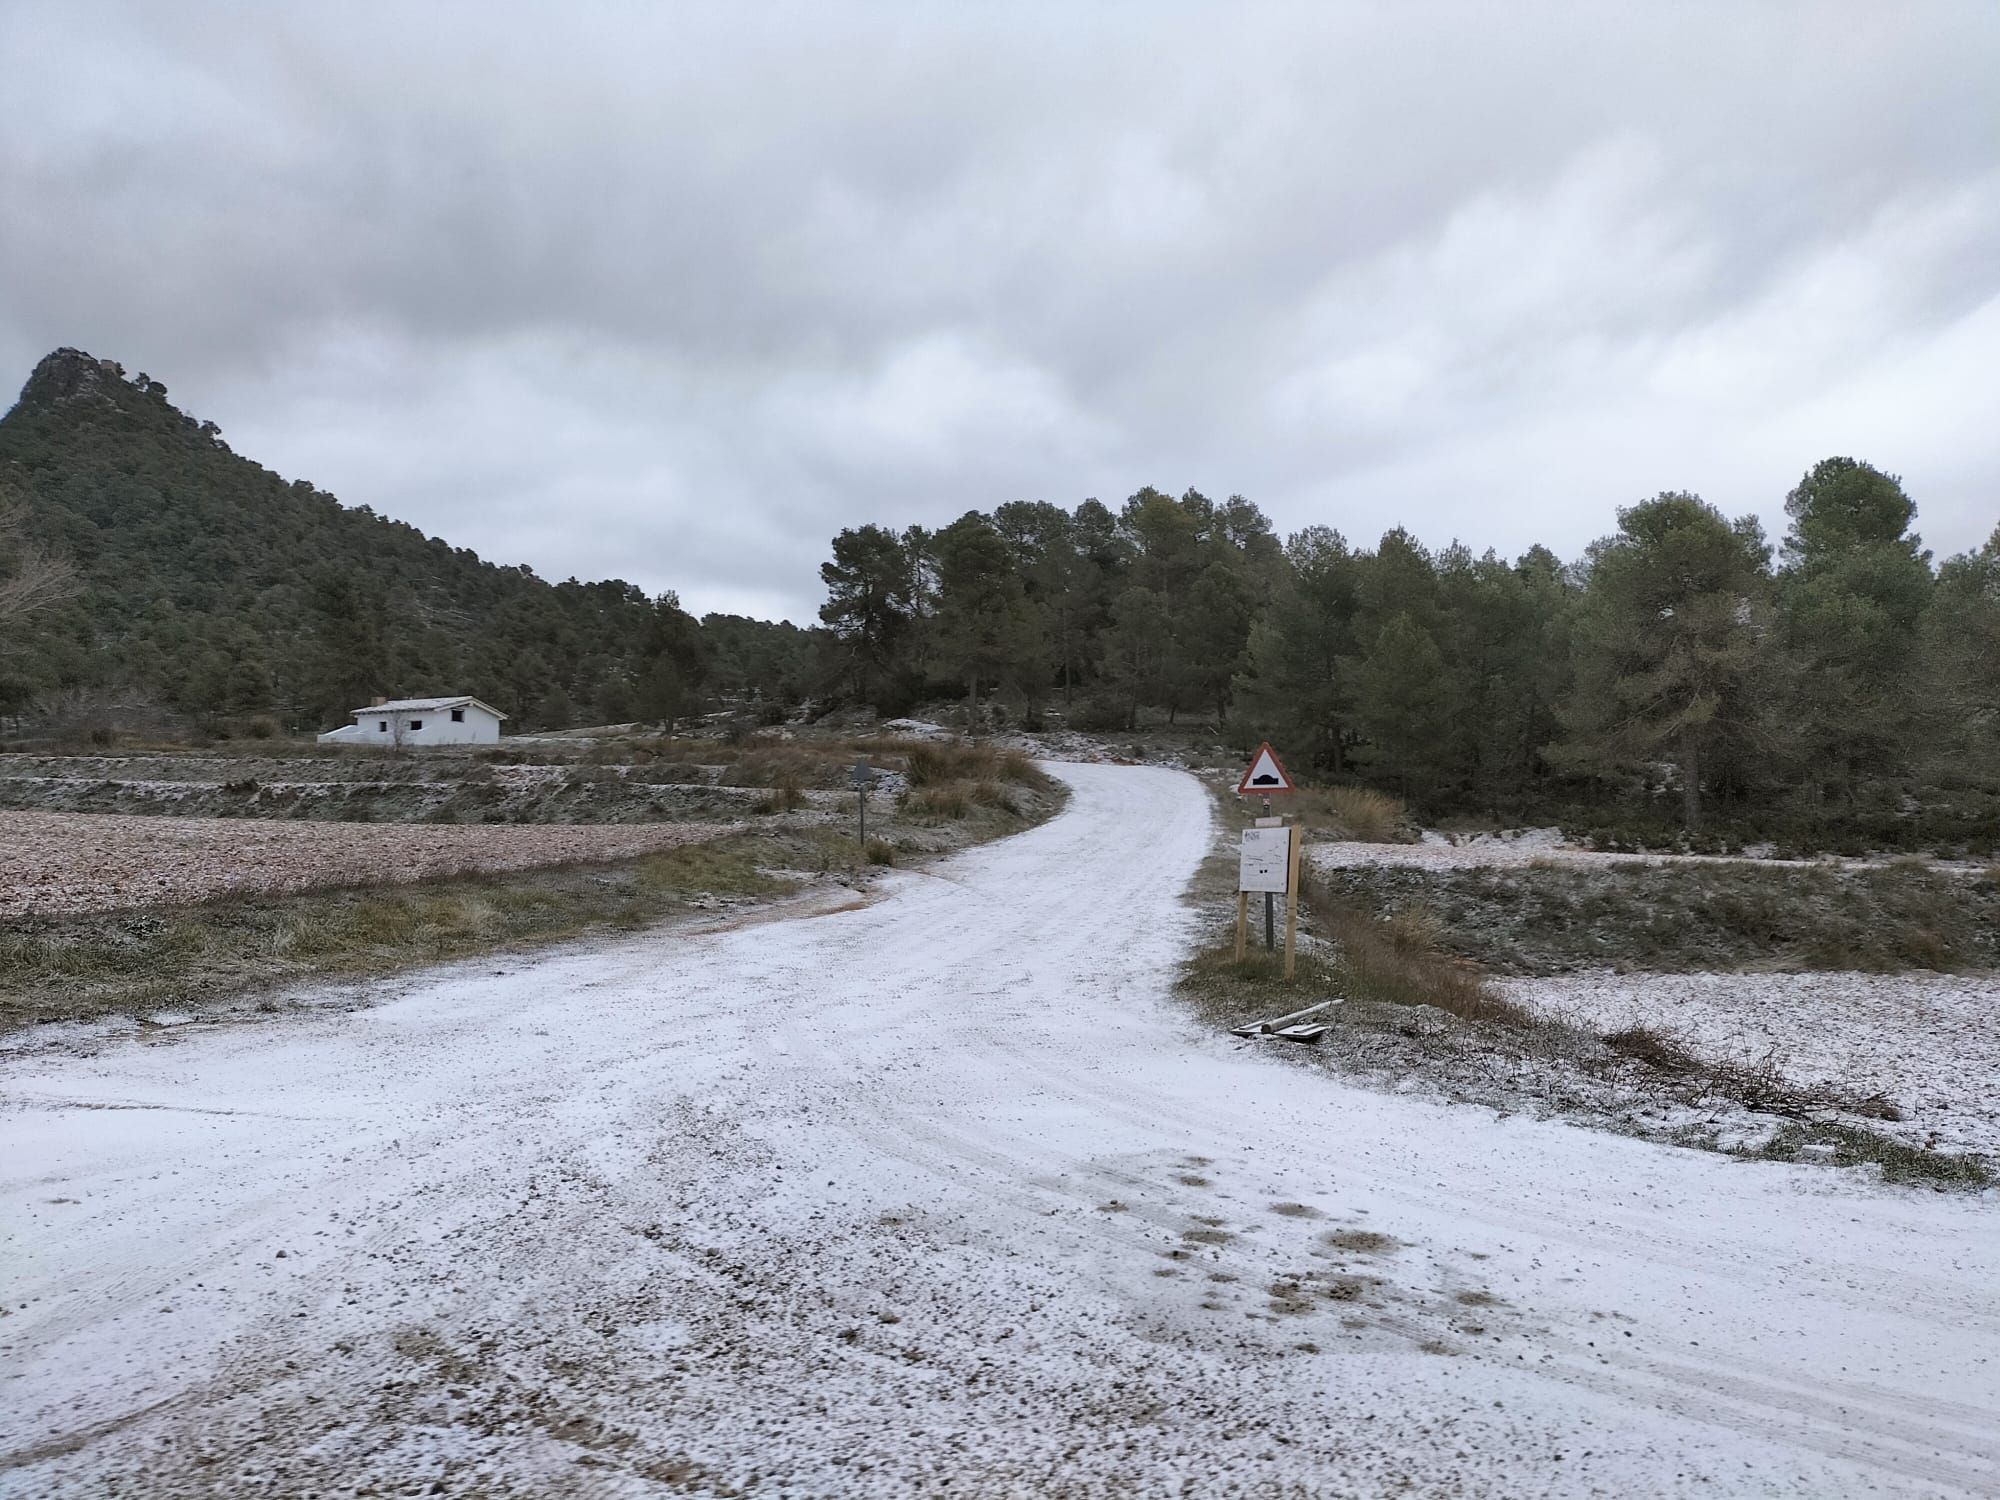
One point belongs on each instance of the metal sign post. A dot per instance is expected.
(861, 776)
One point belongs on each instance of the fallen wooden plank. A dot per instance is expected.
(1274, 1026)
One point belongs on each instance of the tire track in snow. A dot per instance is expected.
(817, 1202)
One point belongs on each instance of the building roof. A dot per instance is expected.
(426, 705)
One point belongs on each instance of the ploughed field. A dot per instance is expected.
(60, 864)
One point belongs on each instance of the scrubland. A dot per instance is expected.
(1840, 1012)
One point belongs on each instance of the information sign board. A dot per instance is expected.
(1266, 860)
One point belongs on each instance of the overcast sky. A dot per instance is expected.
(672, 293)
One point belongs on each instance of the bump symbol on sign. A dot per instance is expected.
(1265, 775)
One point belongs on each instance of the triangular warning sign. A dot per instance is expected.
(1265, 775)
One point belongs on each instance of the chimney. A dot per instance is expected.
(377, 701)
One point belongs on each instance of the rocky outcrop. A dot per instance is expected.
(72, 375)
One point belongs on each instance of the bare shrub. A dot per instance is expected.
(785, 796)
(1651, 1047)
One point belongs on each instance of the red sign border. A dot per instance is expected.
(1243, 787)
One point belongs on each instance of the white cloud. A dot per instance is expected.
(674, 293)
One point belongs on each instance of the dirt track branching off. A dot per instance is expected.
(250, 941)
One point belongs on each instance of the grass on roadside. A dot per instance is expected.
(939, 762)
(1392, 962)
(107, 963)
(116, 962)
(1854, 1146)
(1550, 917)
(1402, 957)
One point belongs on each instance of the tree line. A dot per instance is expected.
(1838, 683)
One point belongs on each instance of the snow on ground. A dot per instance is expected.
(1931, 1042)
(1514, 847)
(940, 1194)
(917, 729)
(63, 863)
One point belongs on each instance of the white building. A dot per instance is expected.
(421, 721)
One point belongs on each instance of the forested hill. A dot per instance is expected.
(209, 586)
(1845, 688)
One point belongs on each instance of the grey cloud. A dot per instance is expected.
(673, 293)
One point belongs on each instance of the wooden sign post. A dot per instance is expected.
(1292, 898)
(1269, 863)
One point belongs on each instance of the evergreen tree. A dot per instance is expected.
(1294, 689)
(986, 632)
(1958, 706)
(1138, 651)
(876, 587)
(1402, 704)
(1670, 632)
(1851, 597)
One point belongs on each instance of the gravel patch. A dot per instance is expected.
(61, 864)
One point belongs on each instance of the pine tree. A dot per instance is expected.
(986, 632)
(1402, 705)
(1294, 690)
(1851, 596)
(1958, 704)
(1670, 632)
(875, 590)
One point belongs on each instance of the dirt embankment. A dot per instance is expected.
(442, 789)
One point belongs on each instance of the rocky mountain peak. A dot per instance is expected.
(72, 375)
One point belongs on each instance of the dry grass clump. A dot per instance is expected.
(950, 801)
(783, 767)
(1548, 918)
(944, 761)
(1396, 960)
(1654, 1048)
(1898, 1161)
(1372, 817)
(105, 963)
(1413, 929)
(786, 795)
(1352, 812)
(951, 779)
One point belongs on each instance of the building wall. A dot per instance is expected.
(479, 728)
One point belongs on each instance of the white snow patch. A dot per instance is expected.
(940, 1187)
(1931, 1042)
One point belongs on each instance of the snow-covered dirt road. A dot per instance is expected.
(942, 1194)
